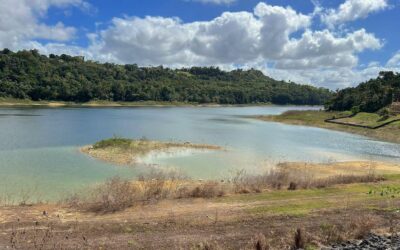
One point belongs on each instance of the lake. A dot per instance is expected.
(39, 147)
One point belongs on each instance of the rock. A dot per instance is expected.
(371, 242)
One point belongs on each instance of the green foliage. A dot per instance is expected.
(113, 142)
(29, 75)
(355, 110)
(384, 113)
(369, 96)
(386, 191)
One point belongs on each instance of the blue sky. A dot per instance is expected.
(324, 43)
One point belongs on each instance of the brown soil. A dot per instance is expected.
(169, 225)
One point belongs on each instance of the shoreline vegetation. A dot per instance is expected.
(389, 133)
(296, 205)
(123, 151)
(12, 102)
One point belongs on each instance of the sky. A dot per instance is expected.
(333, 44)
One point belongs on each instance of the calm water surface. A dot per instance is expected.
(39, 147)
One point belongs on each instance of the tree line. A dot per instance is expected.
(370, 96)
(30, 75)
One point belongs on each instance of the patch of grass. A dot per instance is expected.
(303, 202)
(392, 191)
(392, 177)
(113, 142)
(368, 119)
(296, 209)
(352, 191)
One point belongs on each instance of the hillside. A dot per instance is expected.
(369, 96)
(30, 76)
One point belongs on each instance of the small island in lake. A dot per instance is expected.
(124, 151)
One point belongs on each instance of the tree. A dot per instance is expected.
(29, 75)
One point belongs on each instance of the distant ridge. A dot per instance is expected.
(30, 75)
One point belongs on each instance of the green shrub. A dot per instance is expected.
(113, 142)
(384, 113)
(355, 110)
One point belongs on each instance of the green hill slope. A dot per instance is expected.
(369, 96)
(29, 75)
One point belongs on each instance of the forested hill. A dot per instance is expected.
(369, 96)
(29, 75)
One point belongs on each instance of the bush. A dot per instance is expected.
(113, 142)
(384, 113)
(158, 184)
(207, 190)
(355, 110)
(114, 195)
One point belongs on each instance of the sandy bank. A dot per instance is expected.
(323, 170)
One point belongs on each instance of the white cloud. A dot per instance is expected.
(352, 10)
(20, 21)
(232, 39)
(316, 49)
(394, 62)
(277, 23)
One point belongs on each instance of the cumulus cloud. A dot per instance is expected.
(20, 22)
(352, 10)
(277, 23)
(235, 38)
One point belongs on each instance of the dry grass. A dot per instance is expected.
(118, 194)
(323, 170)
(259, 242)
(206, 190)
(292, 179)
(114, 195)
(353, 226)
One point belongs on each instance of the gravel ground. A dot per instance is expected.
(375, 242)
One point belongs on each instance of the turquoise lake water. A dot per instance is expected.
(39, 147)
